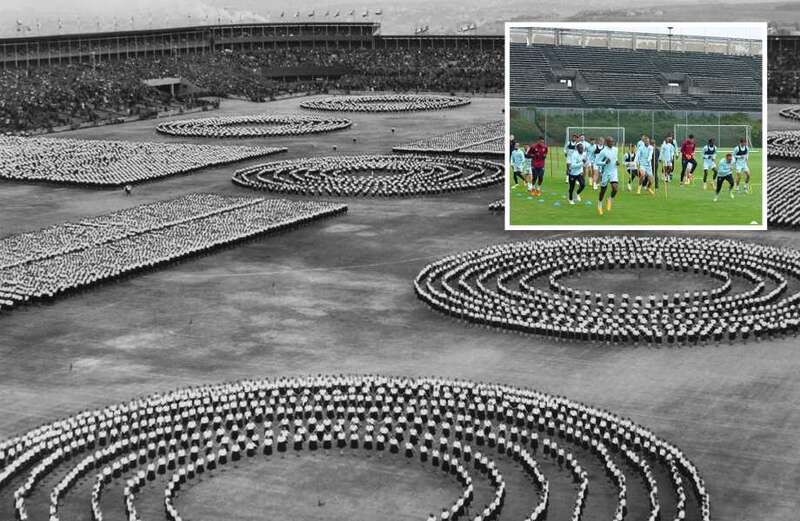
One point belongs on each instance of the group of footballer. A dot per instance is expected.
(596, 159)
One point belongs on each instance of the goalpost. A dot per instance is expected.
(725, 136)
(618, 133)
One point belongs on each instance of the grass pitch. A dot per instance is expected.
(672, 203)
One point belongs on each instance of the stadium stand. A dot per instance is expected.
(571, 76)
(783, 68)
(95, 80)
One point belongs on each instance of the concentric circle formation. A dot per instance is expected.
(784, 144)
(367, 175)
(521, 286)
(492, 439)
(257, 125)
(792, 112)
(386, 103)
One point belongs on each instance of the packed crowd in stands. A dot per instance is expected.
(371, 175)
(111, 163)
(386, 103)
(477, 139)
(53, 95)
(783, 81)
(67, 257)
(255, 125)
(520, 286)
(464, 428)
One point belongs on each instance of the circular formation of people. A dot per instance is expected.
(784, 144)
(112, 163)
(792, 112)
(154, 447)
(65, 257)
(371, 175)
(256, 125)
(783, 194)
(520, 286)
(498, 205)
(386, 103)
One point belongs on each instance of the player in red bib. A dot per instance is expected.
(687, 159)
(537, 153)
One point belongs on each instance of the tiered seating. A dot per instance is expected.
(530, 75)
(111, 163)
(386, 103)
(480, 139)
(63, 258)
(464, 428)
(519, 286)
(371, 176)
(616, 90)
(624, 78)
(252, 126)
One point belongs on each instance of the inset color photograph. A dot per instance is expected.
(635, 126)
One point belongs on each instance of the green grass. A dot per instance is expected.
(672, 205)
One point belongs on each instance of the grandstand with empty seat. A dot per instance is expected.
(602, 69)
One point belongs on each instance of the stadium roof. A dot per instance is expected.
(177, 30)
(635, 40)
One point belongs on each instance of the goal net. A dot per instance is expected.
(618, 133)
(725, 136)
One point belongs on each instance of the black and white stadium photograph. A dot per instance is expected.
(254, 264)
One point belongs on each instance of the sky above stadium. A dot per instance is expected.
(44, 17)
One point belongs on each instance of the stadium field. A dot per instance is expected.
(672, 204)
(340, 295)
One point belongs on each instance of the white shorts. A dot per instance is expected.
(609, 178)
(742, 168)
(708, 164)
(668, 162)
(647, 169)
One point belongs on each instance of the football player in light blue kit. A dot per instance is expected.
(517, 160)
(588, 158)
(668, 150)
(599, 147)
(709, 160)
(576, 165)
(741, 154)
(608, 161)
(644, 158)
(725, 173)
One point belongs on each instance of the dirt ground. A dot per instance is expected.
(337, 296)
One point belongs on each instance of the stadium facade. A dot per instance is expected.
(101, 46)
